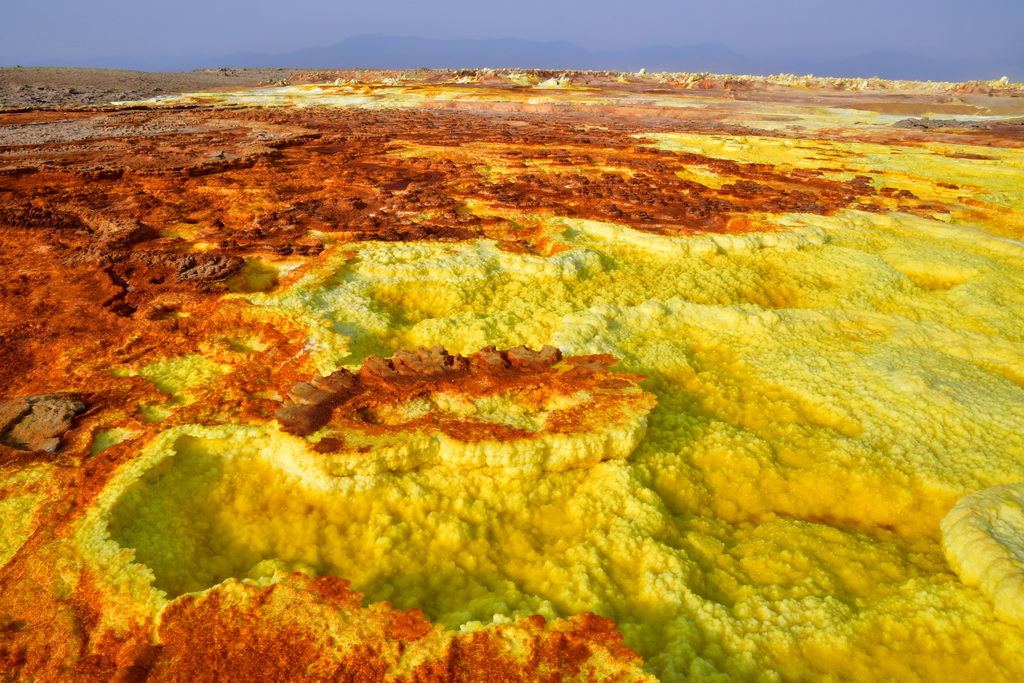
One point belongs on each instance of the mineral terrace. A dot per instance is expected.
(514, 376)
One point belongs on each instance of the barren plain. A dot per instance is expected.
(497, 375)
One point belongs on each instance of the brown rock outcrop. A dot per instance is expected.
(36, 423)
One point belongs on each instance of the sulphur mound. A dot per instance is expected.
(983, 538)
(515, 408)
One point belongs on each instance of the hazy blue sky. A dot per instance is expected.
(65, 29)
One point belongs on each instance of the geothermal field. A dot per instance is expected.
(511, 376)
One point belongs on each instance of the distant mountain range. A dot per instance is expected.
(392, 52)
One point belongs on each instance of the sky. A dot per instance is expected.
(51, 31)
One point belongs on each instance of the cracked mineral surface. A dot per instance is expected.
(514, 376)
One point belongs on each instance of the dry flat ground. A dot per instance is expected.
(54, 86)
(65, 86)
(509, 376)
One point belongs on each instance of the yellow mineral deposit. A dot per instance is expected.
(776, 434)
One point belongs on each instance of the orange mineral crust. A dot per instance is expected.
(510, 375)
(324, 633)
(395, 397)
(300, 628)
